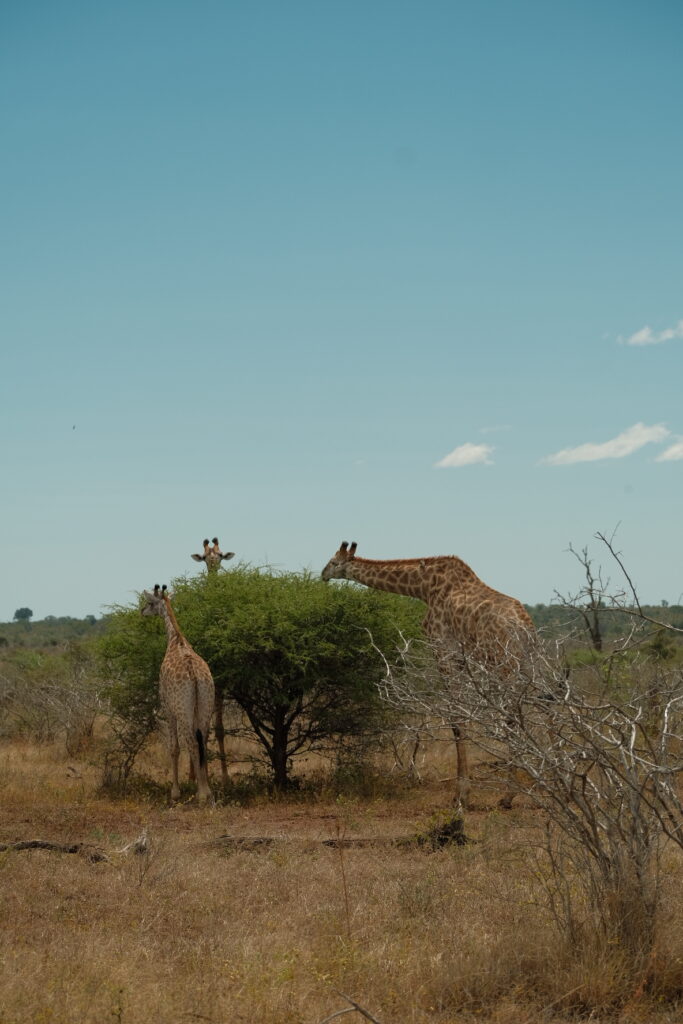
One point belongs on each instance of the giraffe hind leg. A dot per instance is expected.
(174, 750)
(195, 742)
(204, 793)
(200, 747)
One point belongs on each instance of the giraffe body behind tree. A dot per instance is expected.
(212, 557)
(186, 692)
(466, 619)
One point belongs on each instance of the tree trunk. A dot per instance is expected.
(278, 754)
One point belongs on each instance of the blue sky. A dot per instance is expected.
(403, 273)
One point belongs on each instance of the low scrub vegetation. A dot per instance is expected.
(336, 875)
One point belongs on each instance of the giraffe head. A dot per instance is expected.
(213, 556)
(338, 564)
(154, 603)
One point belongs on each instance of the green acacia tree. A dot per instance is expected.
(130, 656)
(293, 652)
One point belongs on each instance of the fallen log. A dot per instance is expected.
(242, 842)
(401, 842)
(91, 853)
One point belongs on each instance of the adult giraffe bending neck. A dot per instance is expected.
(464, 616)
(187, 695)
(212, 557)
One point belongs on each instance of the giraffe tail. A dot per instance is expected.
(202, 748)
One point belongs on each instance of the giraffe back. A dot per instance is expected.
(464, 612)
(186, 687)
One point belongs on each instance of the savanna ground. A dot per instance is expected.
(198, 928)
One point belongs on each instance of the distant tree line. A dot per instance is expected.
(52, 631)
(555, 620)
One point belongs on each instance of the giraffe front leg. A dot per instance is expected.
(174, 751)
(462, 782)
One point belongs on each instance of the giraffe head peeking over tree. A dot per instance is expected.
(213, 556)
(187, 695)
(465, 617)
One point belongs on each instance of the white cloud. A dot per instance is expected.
(673, 453)
(646, 336)
(624, 444)
(466, 455)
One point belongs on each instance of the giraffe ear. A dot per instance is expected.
(352, 549)
(228, 555)
(198, 558)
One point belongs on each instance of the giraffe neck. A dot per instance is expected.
(405, 576)
(173, 633)
(415, 577)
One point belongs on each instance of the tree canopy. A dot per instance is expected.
(293, 652)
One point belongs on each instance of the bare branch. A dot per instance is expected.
(356, 1006)
(603, 764)
(616, 555)
(339, 1013)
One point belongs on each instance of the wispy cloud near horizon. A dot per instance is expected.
(466, 455)
(618, 447)
(646, 336)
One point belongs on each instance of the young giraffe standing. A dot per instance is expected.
(187, 695)
(465, 618)
(213, 556)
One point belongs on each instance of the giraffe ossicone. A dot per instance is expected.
(465, 618)
(186, 692)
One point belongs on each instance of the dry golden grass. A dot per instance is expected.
(194, 931)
